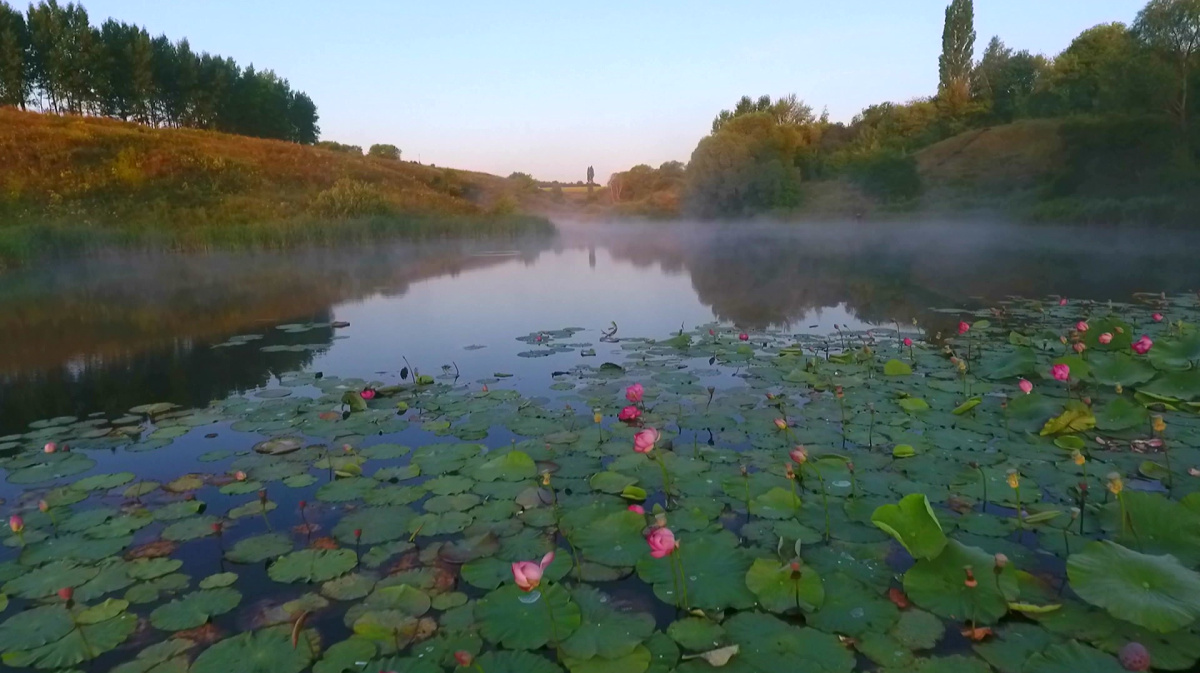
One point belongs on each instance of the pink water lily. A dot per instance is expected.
(1062, 302)
(662, 542)
(1105, 338)
(1081, 326)
(367, 394)
(1157, 317)
(781, 424)
(644, 441)
(16, 523)
(1142, 346)
(1061, 372)
(528, 575)
(1078, 346)
(50, 447)
(629, 414)
(798, 454)
(637, 509)
(908, 342)
(1025, 386)
(634, 393)
(744, 337)
(963, 327)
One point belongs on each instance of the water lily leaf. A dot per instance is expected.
(764, 641)
(781, 588)
(636, 661)
(346, 656)
(507, 621)
(194, 609)
(967, 406)
(1119, 369)
(1076, 418)
(1017, 362)
(1156, 592)
(913, 524)
(918, 630)
(1179, 353)
(218, 580)
(1072, 657)
(151, 568)
(903, 451)
(516, 662)
(709, 560)
(611, 482)
(46, 580)
(1183, 385)
(188, 482)
(35, 627)
(614, 539)
(349, 587)
(511, 466)
(312, 565)
(345, 490)
(697, 633)
(94, 614)
(378, 525)
(777, 503)
(897, 368)
(913, 404)
(851, 608)
(79, 645)
(1014, 644)
(605, 631)
(259, 548)
(264, 651)
(940, 585)
(103, 482)
(1121, 414)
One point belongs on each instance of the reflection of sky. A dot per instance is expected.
(435, 319)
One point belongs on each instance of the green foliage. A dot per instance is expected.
(958, 50)
(339, 147)
(384, 152)
(887, 176)
(349, 198)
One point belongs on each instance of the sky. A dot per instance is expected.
(549, 88)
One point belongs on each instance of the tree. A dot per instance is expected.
(591, 175)
(958, 53)
(1172, 27)
(15, 85)
(384, 152)
(787, 110)
(1003, 80)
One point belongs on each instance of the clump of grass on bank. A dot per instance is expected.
(71, 184)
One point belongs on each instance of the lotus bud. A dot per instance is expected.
(1134, 657)
(1115, 485)
(781, 424)
(66, 593)
(970, 582)
(1013, 478)
(463, 658)
(1158, 423)
(1001, 563)
(43, 506)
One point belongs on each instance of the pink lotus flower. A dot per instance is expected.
(963, 327)
(1157, 317)
(1078, 346)
(637, 509)
(634, 393)
(463, 658)
(744, 337)
(1025, 386)
(367, 394)
(50, 447)
(643, 442)
(799, 454)
(239, 475)
(528, 575)
(1081, 326)
(1105, 338)
(66, 593)
(16, 523)
(662, 542)
(712, 332)
(1143, 345)
(1062, 302)
(629, 414)
(1061, 372)
(908, 342)
(1134, 657)
(781, 424)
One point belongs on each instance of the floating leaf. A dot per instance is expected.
(507, 621)
(1156, 592)
(897, 368)
(312, 565)
(782, 588)
(264, 651)
(941, 585)
(259, 548)
(913, 524)
(194, 609)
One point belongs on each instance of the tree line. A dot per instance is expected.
(1128, 85)
(53, 60)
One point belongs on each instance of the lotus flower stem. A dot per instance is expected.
(683, 580)
(746, 479)
(662, 464)
(558, 524)
(871, 432)
(983, 482)
(824, 498)
(1020, 512)
(553, 625)
(675, 582)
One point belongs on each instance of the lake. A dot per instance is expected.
(294, 372)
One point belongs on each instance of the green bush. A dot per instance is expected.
(384, 152)
(349, 198)
(888, 176)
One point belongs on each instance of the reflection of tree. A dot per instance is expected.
(772, 276)
(109, 334)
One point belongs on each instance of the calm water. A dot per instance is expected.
(105, 334)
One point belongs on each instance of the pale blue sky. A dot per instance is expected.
(550, 87)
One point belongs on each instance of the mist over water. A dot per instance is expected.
(109, 332)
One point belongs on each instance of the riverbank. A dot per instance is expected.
(69, 185)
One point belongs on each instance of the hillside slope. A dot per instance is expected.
(997, 160)
(106, 176)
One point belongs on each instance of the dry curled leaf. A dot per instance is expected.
(897, 596)
(324, 543)
(977, 634)
(156, 549)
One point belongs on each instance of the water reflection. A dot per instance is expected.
(108, 333)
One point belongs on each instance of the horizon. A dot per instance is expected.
(507, 94)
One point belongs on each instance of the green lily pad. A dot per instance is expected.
(312, 565)
(516, 662)
(913, 524)
(605, 631)
(709, 560)
(764, 642)
(259, 548)
(940, 584)
(511, 466)
(218, 580)
(264, 651)
(194, 609)
(1072, 657)
(505, 620)
(781, 588)
(46, 580)
(81, 644)
(897, 368)
(697, 634)
(1119, 369)
(1156, 592)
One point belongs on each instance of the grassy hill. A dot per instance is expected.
(78, 182)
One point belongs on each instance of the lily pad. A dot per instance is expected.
(194, 609)
(507, 621)
(781, 588)
(1156, 592)
(913, 524)
(312, 565)
(264, 651)
(942, 584)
